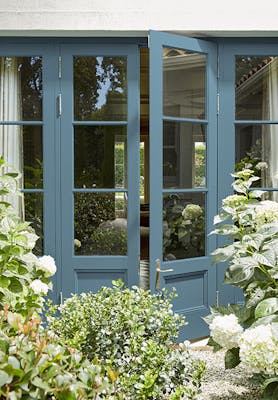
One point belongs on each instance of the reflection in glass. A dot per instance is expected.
(184, 229)
(21, 147)
(256, 144)
(100, 91)
(100, 223)
(270, 195)
(99, 157)
(184, 83)
(256, 88)
(184, 155)
(33, 204)
(20, 88)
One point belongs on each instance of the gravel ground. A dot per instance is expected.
(221, 384)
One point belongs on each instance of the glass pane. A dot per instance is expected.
(256, 88)
(100, 91)
(184, 155)
(33, 204)
(100, 157)
(184, 83)
(184, 228)
(100, 223)
(21, 147)
(20, 88)
(256, 144)
(270, 195)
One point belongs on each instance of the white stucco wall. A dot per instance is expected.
(133, 17)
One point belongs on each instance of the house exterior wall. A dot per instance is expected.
(133, 17)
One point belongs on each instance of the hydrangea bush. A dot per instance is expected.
(132, 333)
(249, 333)
(23, 276)
(33, 363)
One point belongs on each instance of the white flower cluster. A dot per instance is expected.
(226, 331)
(267, 211)
(259, 350)
(39, 287)
(47, 265)
(192, 211)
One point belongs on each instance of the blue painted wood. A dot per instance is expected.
(228, 50)
(77, 269)
(195, 279)
(47, 52)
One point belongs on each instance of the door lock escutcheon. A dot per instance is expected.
(158, 270)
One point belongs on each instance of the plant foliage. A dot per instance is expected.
(131, 332)
(252, 224)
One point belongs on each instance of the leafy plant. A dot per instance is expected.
(183, 228)
(33, 365)
(131, 332)
(24, 278)
(253, 266)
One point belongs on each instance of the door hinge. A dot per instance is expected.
(217, 298)
(218, 103)
(61, 298)
(218, 69)
(59, 67)
(149, 41)
(59, 105)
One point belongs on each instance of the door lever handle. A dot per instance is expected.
(158, 270)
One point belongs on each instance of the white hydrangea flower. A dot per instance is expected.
(261, 165)
(39, 287)
(47, 265)
(226, 331)
(259, 350)
(192, 211)
(77, 243)
(267, 211)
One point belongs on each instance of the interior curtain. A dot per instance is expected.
(11, 136)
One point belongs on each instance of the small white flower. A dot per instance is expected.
(47, 265)
(226, 331)
(39, 287)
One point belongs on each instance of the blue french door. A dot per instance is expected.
(99, 151)
(183, 173)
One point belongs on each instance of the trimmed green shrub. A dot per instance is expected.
(132, 333)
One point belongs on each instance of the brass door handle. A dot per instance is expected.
(158, 270)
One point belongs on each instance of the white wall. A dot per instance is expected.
(133, 17)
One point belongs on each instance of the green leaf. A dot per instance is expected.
(66, 395)
(222, 254)
(239, 274)
(255, 194)
(270, 389)
(15, 285)
(265, 320)
(232, 358)
(216, 347)
(260, 258)
(226, 230)
(5, 378)
(38, 382)
(4, 281)
(266, 307)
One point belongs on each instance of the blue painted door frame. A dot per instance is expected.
(82, 273)
(194, 278)
(228, 50)
(58, 163)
